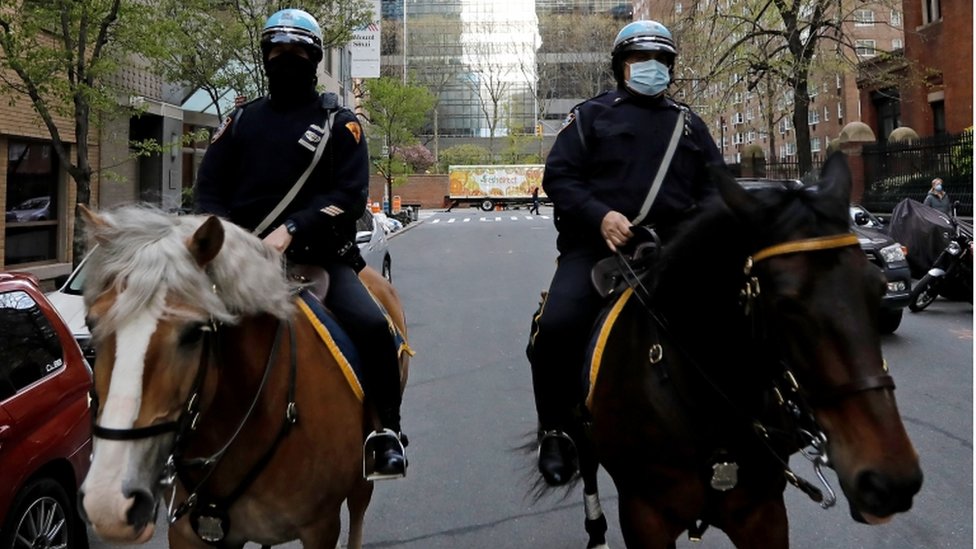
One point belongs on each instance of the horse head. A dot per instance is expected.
(151, 298)
(818, 297)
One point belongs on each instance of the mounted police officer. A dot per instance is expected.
(627, 157)
(261, 153)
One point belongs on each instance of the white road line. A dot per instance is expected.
(451, 220)
(514, 218)
(498, 219)
(484, 219)
(466, 219)
(436, 221)
(528, 217)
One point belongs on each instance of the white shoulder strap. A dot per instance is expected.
(662, 170)
(286, 200)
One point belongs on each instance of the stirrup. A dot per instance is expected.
(369, 451)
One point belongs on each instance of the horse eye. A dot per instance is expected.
(192, 334)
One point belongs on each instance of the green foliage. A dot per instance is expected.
(214, 45)
(396, 112)
(463, 155)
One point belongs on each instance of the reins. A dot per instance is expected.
(790, 397)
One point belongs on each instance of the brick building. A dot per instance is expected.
(934, 90)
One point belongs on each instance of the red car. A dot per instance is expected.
(45, 423)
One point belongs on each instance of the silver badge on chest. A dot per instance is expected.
(310, 139)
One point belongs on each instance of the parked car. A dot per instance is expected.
(371, 239)
(32, 209)
(889, 256)
(45, 422)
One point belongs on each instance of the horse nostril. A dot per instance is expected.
(874, 491)
(143, 509)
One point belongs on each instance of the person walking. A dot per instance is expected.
(265, 150)
(937, 198)
(615, 152)
(535, 200)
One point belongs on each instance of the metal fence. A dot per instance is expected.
(784, 168)
(895, 171)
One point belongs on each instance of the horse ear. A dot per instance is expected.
(736, 198)
(206, 241)
(96, 224)
(835, 178)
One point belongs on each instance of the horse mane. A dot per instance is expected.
(142, 254)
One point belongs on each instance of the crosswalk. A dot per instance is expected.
(448, 219)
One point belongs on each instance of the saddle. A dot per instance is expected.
(313, 278)
(631, 267)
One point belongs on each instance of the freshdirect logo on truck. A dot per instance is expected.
(499, 181)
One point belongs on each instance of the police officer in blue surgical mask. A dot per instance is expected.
(599, 175)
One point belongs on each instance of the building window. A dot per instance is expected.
(784, 125)
(787, 149)
(737, 139)
(863, 18)
(737, 97)
(32, 203)
(749, 115)
(931, 11)
(826, 115)
(938, 118)
(837, 81)
(815, 144)
(677, 7)
(813, 117)
(840, 112)
(895, 18)
(737, 119)
(864, 48)
(896, 44)
(751, 136)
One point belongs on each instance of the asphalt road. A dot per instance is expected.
(469, 289)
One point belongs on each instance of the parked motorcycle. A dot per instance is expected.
(952, 273)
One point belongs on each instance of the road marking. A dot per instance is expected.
(514, 218)
(466, 219)
(451, 220)
(484, 219)
(498, 219)
(436, 221)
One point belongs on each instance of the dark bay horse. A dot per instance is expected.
(758, 340)
(214, 394)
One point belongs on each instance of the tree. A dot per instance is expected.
(782, 48)
(61, 56)
(395, 112)
(214, 45)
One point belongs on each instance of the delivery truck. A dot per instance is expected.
(490, 187)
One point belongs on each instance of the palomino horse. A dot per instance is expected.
(216, 394)
(757, 339)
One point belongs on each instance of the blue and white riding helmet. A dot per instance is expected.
(291, 26)
(644, 35)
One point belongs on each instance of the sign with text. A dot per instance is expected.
(365, 47)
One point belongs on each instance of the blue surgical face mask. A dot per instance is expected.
(938, 188)
(649, 77)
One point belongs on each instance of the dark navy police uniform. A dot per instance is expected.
(255, 159)
(605, 158)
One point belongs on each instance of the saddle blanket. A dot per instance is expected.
(602, 330)
(340, 344)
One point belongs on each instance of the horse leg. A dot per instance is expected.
(324, 533)
(763, 526)
(596, 522)
(643, 526)
(357, 503)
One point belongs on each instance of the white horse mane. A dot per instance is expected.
(142, 253)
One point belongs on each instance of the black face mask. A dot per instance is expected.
(291, 79)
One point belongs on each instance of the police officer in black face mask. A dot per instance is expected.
(599, 174)
(254, 160)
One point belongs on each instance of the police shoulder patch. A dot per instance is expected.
(223, 128)
(355, 129)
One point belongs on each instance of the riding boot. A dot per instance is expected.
(389, 457)
(558, 457)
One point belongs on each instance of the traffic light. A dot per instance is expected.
(538, 130)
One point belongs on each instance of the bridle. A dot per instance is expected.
(789, 395)
(176, 466)
(751, 291)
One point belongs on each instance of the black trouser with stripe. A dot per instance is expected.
(560, 334)
(364, 321)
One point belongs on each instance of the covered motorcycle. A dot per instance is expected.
(929, 232)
